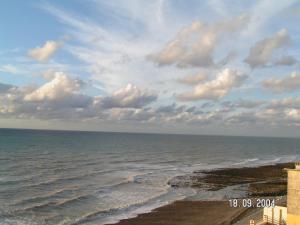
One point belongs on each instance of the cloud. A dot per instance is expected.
(276, 116)
(4, 87)
(243, 103)
(9, 69)
(262, 51)
(63, 98)
(60, 92)
(131, 114)
(215, 89)
(43, 53)
(193, 79)
(285, 84)
(194, 45)
(242, 118)
(286, 61)
(128, 97)
(290, 102)
(293, 114)
(59, 87)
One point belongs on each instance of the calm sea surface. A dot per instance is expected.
(59, 177)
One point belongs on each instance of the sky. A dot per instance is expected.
(186, 66)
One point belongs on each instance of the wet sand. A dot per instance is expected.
(262, 181)
(188, 213)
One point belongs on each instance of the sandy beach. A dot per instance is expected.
(188, 213)
(264, 181)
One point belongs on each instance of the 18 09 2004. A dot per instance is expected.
(252, 202)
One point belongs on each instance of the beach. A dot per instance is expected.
(267, 181)
(188, 213)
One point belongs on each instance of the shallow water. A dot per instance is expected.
(59, 177)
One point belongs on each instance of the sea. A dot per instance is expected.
(72, 177)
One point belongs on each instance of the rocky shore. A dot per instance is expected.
(269, 180)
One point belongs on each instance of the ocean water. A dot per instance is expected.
(61, 177)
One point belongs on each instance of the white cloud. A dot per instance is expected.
(285, 84)
(59, 87)
(193, 79)
(276, 116)
(262, 51)
(215, 89)
(9, 69)
(194, 45)
(293, 114)
(46, 51)
(128, 97)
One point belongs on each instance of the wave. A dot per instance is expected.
(246, 161)
(53, 194)
(55, 181)
(115, 214)
(8, 181)
(12, 221)
(54, 204)
(267, 161)
(73, 200)
(36, 207)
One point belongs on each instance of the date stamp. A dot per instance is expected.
(252, 203)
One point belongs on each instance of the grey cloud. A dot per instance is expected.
(291, 102)
(243, 103)
(286, 61)
(242, 118)
(76, 106)
(4, 87)
(128, 97)
(285, 84)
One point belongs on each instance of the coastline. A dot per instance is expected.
(267, 181)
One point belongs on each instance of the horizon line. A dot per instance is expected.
(132, 132)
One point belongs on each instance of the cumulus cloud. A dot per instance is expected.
(63, 98)
(193, 79)
(49, 106)
(279, 85)
(43, 103)
(194, 45)
(59, 87)
(128, 97)
(293, 114)
(44, 52)
(277, 116)
(217, 88)
(261, 53)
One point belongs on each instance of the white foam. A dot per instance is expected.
(18, 222)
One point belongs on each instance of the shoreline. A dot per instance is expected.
(265, 181)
